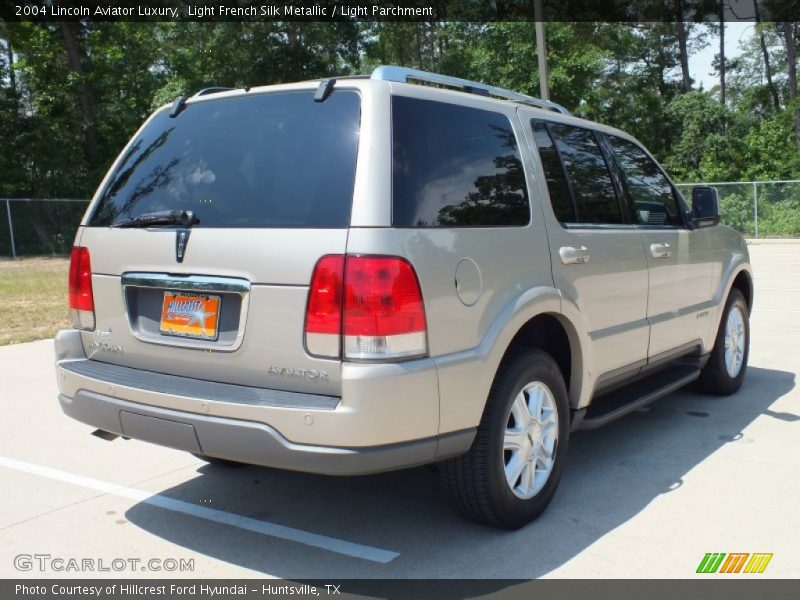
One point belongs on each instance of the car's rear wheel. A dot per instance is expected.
(725, 369)
(511, 472)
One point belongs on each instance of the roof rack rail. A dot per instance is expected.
(405, 75)
(212, 90)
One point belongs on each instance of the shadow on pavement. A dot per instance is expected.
(613, 473)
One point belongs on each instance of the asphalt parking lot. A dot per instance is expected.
(646, 496)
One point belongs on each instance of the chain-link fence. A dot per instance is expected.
(757, 208)
(39, 227)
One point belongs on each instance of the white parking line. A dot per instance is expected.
(210, 514)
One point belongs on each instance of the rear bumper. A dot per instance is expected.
(384, 420)
(244, 441)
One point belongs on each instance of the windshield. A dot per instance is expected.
(269, 160)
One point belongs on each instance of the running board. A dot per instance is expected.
(613, 405)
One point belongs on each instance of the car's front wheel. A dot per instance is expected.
(725, 369)
(511, 472)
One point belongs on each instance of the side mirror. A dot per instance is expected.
(705, 206)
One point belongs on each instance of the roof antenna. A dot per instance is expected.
(177, 106)
(324, 90)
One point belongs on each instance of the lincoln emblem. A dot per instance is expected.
(181, 241)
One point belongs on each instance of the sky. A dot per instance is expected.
(700, 67)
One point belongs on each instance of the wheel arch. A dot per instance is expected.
(555, 334)
(466, 377)
(737, 274)
(743, 281)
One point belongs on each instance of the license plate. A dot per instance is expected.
(190, 315)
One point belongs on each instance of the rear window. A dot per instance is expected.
(455, 166)
(269, 160)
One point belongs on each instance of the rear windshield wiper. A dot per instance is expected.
(185, 218)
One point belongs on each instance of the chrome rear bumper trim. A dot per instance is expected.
(196, 283)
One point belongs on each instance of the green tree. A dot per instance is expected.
(769, 149)
(71, 96)
(700, 150)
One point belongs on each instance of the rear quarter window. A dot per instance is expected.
(263, 160)
(455, 166)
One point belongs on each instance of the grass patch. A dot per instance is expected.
(33, 298)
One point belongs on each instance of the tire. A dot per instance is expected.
(477, 482)
(219, 462)
(716, 378)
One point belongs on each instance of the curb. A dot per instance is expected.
(759, 241)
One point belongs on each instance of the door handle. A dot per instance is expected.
(574, 256)
(661, 250)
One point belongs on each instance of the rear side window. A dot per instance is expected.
(648, 187)
(268, 160)
(455, 166)
(590, 180)
(557, 186)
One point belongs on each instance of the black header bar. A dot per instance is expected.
(381, 10)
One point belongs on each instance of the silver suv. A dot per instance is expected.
(362, 274)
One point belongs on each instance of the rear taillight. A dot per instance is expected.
(81, 301)
(324, 309)
(371, 303)
(383, 312)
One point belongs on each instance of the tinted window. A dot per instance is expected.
(595, 197)
(269, 160)
(560, 196)
(455, 166)
(649, 189)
